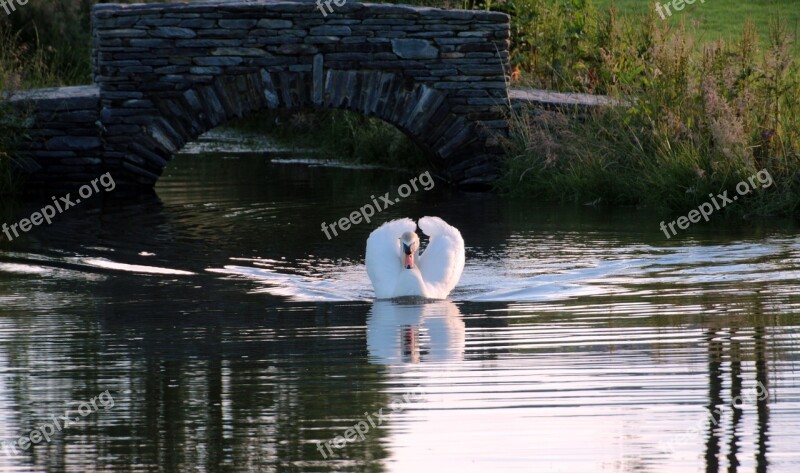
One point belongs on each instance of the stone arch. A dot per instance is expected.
(418, 110)
(168, 72)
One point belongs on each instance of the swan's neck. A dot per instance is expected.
(410, 283)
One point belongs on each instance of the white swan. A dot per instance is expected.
(396, 268)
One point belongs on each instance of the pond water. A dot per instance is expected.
(214, 327)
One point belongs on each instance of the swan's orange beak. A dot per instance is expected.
(408, 258)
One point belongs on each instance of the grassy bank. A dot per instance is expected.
(45, 44)
(703, 113)
(12, 131)
(14, 64)
(702, 116)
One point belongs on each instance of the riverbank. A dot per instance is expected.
(12, 131)
(699, 116)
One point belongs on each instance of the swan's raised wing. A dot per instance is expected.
(383, 257)
(443, 260)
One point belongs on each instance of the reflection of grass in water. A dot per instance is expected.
(340, 135)
(757, 342)
(748, 332)
(751, 329)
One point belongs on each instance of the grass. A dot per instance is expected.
(12, 131)
(339, 135)
(17, 62)
(44, 44)
(701, 118)
(716, 19)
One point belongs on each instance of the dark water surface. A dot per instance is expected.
(231, 335)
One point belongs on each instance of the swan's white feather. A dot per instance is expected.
(383, 253)
(442, 262)
(437, 270)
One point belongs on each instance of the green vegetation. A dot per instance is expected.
(340, 135)
(16, 62)
(12, 130)
(699, 117)
(701, 113)
(717, 19)
(45, 44)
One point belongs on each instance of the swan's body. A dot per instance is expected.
(396, 268)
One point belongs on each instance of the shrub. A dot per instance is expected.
(698, 119)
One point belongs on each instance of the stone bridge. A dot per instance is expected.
(165, 73)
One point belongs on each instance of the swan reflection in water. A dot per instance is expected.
(414, 332)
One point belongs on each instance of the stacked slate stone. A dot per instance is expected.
(168, 72)
(64, 149)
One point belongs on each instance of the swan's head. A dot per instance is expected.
(409, 244)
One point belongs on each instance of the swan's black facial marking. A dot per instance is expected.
(408, 246)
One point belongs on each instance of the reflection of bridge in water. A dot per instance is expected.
(166, 73)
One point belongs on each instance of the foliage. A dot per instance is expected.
(699, 115)
(340, 135)
(697, 119)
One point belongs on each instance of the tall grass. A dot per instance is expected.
(12, 132)
(699, 118)
(52, 43)
(17, 64)
(56, 35)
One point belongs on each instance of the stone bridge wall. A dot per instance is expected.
(65, 149)
(168, 72)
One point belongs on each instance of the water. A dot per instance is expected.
(231, 335)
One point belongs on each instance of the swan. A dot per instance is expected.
(396, 269)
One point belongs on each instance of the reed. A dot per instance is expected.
(699, 118)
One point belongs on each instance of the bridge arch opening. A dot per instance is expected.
(168, 72)
(419, 112)
(337, 135)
